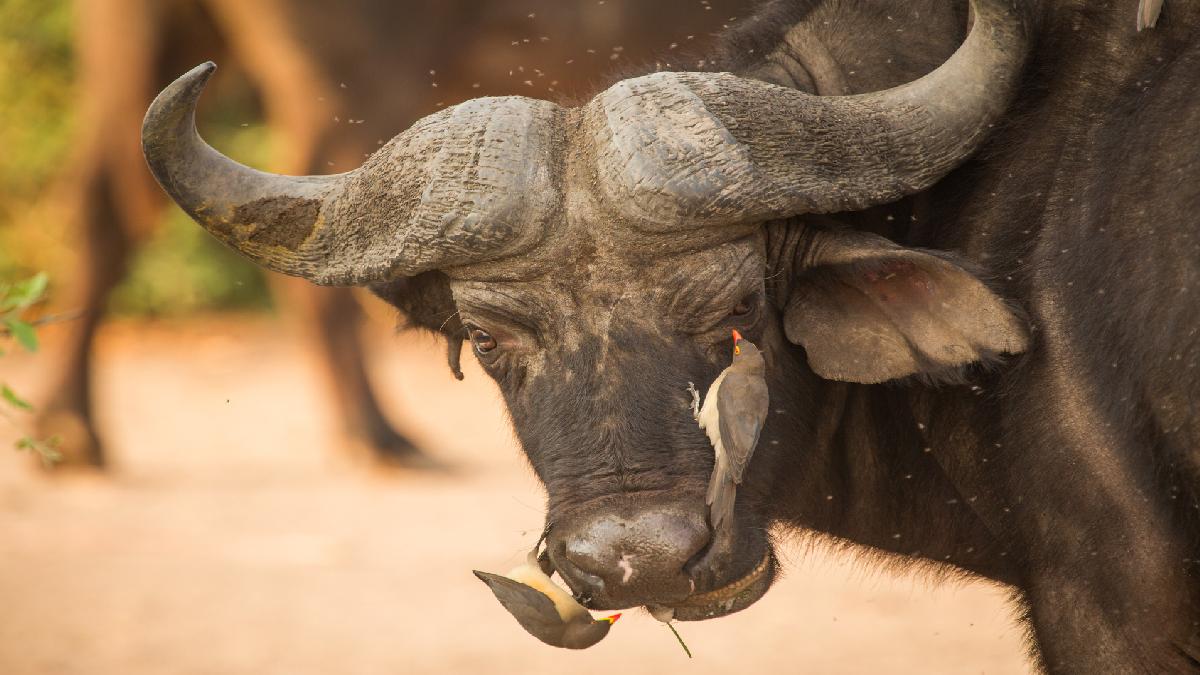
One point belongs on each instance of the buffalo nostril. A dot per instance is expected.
(642, 553)
(583, 584)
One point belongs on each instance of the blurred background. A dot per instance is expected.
(251, 475)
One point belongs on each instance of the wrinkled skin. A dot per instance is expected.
(991, 374)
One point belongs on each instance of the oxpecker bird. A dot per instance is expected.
(735, 409)
(544, 609)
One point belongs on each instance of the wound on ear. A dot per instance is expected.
(896, 280)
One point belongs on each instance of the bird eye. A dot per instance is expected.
(481, 340)
(745, 306)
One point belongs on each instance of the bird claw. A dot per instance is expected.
(661, 612)
(695, 400)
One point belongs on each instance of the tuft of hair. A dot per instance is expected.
(426, 303)
(989, 361)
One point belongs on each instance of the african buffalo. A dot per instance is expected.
(973, 279)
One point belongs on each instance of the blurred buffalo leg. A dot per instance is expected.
(108, 195)
(301, 106)
(332, 319)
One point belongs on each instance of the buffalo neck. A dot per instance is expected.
(882, 465)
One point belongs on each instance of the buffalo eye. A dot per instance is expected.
(481, 340)
(744, 306)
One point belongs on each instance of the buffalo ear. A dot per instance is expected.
(866, 310)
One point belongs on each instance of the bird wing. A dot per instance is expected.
(529, 606)
(742, 403)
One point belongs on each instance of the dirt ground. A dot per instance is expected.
(233, 536)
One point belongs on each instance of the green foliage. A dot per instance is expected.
(46, 450)
(15, 299)
(36, 106)
(22, 294)
(36, 115)
(181, 269)
(14, 400)
(23, 332)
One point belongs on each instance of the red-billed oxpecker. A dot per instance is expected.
(544, 609)
(734, 411)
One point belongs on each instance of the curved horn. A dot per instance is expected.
(464, 185)
(266, 216)
(696, 149)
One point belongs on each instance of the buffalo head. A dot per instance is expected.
(596, 258)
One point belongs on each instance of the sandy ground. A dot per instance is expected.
(233, 536)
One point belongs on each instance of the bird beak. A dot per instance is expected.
(611, 619)
(737, 337)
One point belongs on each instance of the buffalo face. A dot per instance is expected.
(597, 386)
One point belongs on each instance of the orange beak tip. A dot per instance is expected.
(613, 618)
(736, 335)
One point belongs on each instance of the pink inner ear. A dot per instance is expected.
(874, 312)
(897, 281)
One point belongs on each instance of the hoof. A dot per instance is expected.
(393, 451)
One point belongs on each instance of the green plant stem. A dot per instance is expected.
(680, 638)
(48, 319)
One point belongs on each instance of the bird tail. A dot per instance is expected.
(721, 495)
